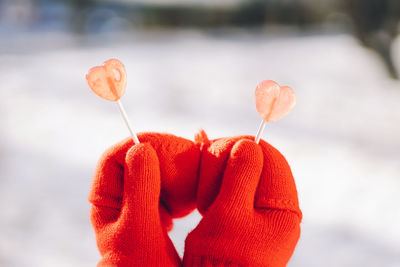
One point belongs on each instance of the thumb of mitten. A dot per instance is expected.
(241, 177)
(142, 183)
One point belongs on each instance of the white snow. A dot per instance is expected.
(342, 140)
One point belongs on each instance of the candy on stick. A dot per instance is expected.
(272, 103)
(109, 82)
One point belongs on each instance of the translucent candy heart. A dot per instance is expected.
(109, 80)
(274, 101)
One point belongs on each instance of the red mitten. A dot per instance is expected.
(248, 198)
(136, 192)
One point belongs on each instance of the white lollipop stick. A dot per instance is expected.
(128, 124)
(260, 131)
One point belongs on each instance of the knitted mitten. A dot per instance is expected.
(136, 192)
(249, 203)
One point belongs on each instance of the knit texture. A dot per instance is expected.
(248, 198)
(245, 192)
(133, 206)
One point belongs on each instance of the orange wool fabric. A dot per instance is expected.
(248, 198)
(133, 206)
(245, 192)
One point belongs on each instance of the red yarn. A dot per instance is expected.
(245, 192)
(133, 206)
(248, 198)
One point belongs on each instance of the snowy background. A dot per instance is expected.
(342, 140)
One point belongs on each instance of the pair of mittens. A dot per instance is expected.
(245, 192)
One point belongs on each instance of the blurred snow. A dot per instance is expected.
(342, 139)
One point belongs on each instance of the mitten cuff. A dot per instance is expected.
(134, 261)
(190, 260)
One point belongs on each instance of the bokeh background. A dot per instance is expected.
(195, 64)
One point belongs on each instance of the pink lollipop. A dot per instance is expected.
(272, 103)
(109, 82)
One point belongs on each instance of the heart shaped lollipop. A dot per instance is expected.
(272, 102)
(109, 82)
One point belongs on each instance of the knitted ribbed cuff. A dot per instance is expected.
(132, 261)
(206, 261)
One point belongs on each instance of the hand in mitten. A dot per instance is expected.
(136, 192)
(249, 203)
